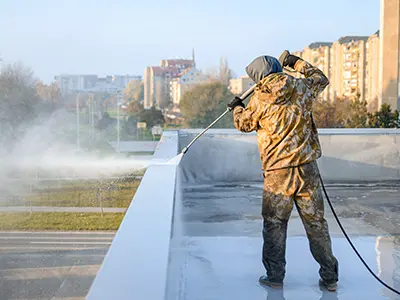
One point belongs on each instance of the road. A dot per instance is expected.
(50, 265)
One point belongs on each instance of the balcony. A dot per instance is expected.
(193, 230)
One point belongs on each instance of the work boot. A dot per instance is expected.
(265, 281)
(329, 286)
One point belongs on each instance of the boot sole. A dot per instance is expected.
(330, 289)
(272, 285)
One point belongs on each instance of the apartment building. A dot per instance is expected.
(73, 83)
(186, 81)
(92, 83)
(157, 86)
(348, 68)
(179, 64)
(123, 80)
(157, 81)
(389, 35)
(372, 72)
(318, 54)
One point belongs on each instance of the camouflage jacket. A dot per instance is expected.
(280, 112)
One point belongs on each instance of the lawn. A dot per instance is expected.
(60, 221)
(84, 194)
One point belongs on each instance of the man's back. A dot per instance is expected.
(281, 113)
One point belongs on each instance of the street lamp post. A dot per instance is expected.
(77, 123)
(118, 144)
(91, 115)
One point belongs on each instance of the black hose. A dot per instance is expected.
(351, 243)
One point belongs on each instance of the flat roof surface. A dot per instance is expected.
(216, 245)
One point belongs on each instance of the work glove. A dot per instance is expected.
(235, 102)
(288, 60)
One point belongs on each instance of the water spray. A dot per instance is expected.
(242, 97)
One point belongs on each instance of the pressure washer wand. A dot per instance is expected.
(242, 97)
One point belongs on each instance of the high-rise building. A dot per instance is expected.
(74, 83)
(157, 86)
(372, 72)
(157, 81)
(122, 80)
(360, 67)
(92, 83)
(389, 53)
(348, 67)
(318, 54)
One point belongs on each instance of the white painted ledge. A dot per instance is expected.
(136, 264)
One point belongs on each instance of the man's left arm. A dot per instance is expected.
(315, 79)
(246, 119)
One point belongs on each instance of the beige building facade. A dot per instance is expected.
(348, 68)
(318, 54)
(185, 82)
(156, 86)
(389, 53)
(238, 86)
(361, 67)
(157, 81)
(372, 72)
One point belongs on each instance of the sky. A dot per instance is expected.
(124, 36)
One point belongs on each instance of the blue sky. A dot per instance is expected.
(124, 36)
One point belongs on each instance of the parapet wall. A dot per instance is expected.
(349, 155)
(139, 254)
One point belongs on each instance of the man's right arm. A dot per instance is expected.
(314, 77)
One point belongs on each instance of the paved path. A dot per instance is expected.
(60, 209)
(50, 265)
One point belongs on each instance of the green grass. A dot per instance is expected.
(60, 221)
(84, 194)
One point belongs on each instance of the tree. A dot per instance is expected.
(152, 117)
(324, 114)
(18, 102)
(384, 118)
(48, 93)
(342, 109)
(373, 106)
(357, 115)
(105, 121)
(135, 108)
(225, 74)
(130, 125)
(134, 91)
(204, 103)
(342, 113)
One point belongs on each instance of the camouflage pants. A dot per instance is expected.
(299, 186)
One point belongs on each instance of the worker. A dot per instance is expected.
(280, 110)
